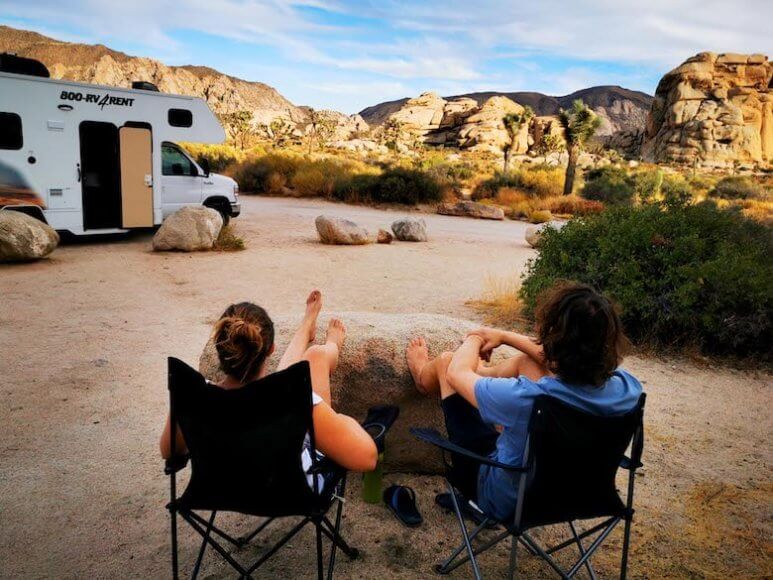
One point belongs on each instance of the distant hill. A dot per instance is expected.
(622, 109)
(102, 65)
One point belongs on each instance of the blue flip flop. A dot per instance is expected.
(401, 501)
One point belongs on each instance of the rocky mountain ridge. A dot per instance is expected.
(620, 109)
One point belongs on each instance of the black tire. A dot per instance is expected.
(226, 215)
(222, 208)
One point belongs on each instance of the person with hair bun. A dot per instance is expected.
(575, 358)
(244, 340)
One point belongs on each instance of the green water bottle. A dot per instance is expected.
(371, 482)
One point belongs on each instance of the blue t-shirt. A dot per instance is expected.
(508, 402)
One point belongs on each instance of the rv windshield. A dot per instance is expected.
(175, 161)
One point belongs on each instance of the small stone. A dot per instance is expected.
(384, 237)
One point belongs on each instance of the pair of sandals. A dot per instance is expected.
(401, 501)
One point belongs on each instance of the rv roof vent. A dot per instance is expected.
(22, 66)
(144, 86)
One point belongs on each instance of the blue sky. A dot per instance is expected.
(346, 55)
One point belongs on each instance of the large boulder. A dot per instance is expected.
(715, 111)
(24, 238)
(473, 209)
(410, 230)
(189, 229)
(372, 370)
(334, 230)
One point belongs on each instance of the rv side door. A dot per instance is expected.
(181, 183)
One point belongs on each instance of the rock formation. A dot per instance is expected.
(24, 238)
(459, 122)
(713, 110)
(372, 371)
(189, 229)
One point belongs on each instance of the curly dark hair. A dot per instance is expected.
(580, 332)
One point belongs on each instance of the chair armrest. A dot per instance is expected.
(626, 463)
(432, 437)
(175, 464)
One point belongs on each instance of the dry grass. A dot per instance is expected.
(228, 241)
(500, 304)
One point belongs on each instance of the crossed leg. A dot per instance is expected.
(430, 374)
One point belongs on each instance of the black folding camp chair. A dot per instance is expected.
(245, 449)
(570, 462)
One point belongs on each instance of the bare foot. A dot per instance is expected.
(336, 333)
(417, 355)
(313, 306)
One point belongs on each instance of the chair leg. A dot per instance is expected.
(513, 556)
(204, 542)
(465, 535)
(580, 547)
(320, 573)
(175, 564)
(626, 545)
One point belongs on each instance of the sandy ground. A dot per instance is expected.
(84, 336)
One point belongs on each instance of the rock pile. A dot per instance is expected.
(189, 229)
(24, 238)
(713, 110)
(372, 371)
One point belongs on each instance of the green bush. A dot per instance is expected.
(394, 185)
(609, 185)
(689, 275)
(736, 187)
(262, 174)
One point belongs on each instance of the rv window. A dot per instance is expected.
(180, 118)
(175, 162)
(10, 131)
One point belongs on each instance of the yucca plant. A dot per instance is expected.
(580, 124)
(513, 123)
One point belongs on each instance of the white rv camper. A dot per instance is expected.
(104, 159)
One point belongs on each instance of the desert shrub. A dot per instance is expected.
(262, 174)
(685, 275)
(322, 177)
(610, 185)
(574, 205)
(647, 184)
(540, 216)
(539, 181)
(228, 241)
(219, 156)
(736, 187)
(394, 185)
(676, 190)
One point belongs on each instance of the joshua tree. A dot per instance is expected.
(280, 131)
(321, 128)
(579, 124)
(513, 123)
(392, 133)
(548, 144)
(239, 127)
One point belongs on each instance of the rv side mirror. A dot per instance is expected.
(177, 169)
(205, 167)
